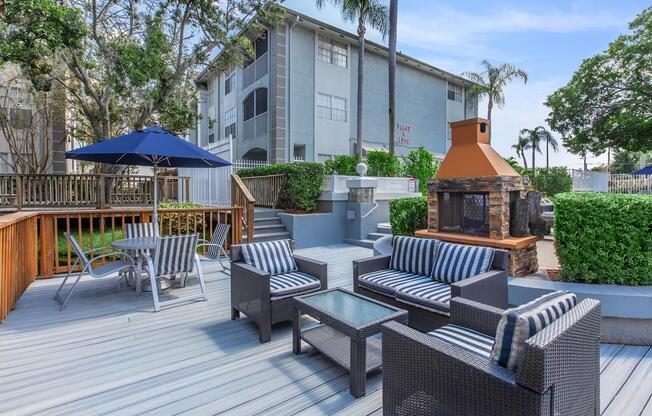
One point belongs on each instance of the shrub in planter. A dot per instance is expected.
(550, 181)
(341, 165)
(171, 222)
(604, 238)
(382, 164)
(302, 186)
(421, 165)
(408, 215)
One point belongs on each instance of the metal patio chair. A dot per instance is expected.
(215, 247)
(174, 255)
(126, 263)
(138, 230)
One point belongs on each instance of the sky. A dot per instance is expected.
(547, 39)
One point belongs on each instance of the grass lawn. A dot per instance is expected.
(62, 247)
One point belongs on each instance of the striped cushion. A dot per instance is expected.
(465, 338)
(457, 262)
(522, 322)
(388, 281)
(175, 254)
(431, 294)
(292, 282)
(413, 255)
(273, 257)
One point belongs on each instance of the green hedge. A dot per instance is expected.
(550, 181)
(421, 165)
(342, 165)
(604, 238)
(382, 164)
(303, 184)
(408, 215)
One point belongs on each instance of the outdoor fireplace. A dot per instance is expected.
(470, 199)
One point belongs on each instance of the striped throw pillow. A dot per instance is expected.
(273, 257)
(413, 255)
(522, 322)
(457, 262)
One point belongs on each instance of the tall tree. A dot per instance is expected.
(128, 63)
(521, 145)
(533, 139)
(491, 82)
(608, 101)
(393, 22)
(551, 142)
(365, 12)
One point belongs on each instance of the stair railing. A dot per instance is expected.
(266, 189)
(241, 197)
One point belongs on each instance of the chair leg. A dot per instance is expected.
(219, 258)
(138, 272)
(155, 286)
(200, 274)
(265, 333)
(235, 314)
(67, 298)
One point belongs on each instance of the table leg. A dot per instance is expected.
(139, 265)
(358, 376)
(296, 331)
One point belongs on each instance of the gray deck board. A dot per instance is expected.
(109, 353)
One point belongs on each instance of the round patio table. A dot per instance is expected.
(141, 243)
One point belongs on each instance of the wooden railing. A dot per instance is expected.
(87, 191)
(18, 257)
(241, 197)
(98, 228)
(265, 189)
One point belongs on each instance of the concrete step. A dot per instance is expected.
(375, 236)
(362, 243)
(260, 213)
(384, 228)
(268, 228)
(258, 238)
(266, 221)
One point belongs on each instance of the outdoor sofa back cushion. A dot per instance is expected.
(457, 262)
(273, 257)
(413, 255)
(522, 322)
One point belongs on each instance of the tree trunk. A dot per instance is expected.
(393, 11)
(361, 32)
(547, 152)
(533, 156)
(537, 224)
(519, 218)
(490, 106)
(524, 159)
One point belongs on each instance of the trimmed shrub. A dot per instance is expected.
(342, 165)
(604, 238)
(550, 181)
(382, 164)
(408, 215)
(171, 222)
(420, 164)
(302, 187)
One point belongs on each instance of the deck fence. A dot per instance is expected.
(266, 190)
(241, 197)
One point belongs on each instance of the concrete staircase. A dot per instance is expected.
(267, 226)
(382, 230)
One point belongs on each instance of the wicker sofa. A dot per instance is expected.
(253, 294)
(489, 288)
(557, 373)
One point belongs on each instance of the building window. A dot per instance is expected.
(260, 46)
(20, 118)
(211, 138)
(228, 84)
(299, 152)
(332, 52)
(331, 107)
(4, 166)
(255, 104)
(455, 92)
(229, 122)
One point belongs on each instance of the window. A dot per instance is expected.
(4, 166)
(211, 138)
(229, 122)
(260, 46)
(20, 118)
(330, 107)
(255, 104)
(228, 84)
(332, 52)
(455, 92)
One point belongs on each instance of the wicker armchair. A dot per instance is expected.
(557, 374)
(252, 295)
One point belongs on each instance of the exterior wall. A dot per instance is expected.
(277, 94)
(301, 86)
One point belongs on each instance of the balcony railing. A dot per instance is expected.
(255, 71)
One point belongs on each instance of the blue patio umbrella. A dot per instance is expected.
(643, 171)
(153, 146)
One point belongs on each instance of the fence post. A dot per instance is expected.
(46, 236)
(19, 193)
(101, 190)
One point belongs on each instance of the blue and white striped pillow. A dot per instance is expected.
(413, 255)
(457, 262)
(273, 257)
(524, 321)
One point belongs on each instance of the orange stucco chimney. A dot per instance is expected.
(471, 154)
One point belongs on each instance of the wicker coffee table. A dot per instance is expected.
(347, 321)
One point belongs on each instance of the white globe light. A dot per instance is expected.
(361, 168)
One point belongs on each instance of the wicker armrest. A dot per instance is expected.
(370, 264)
(475, 315)
(245, 276)
(316, 268)
(420, 374)
(489, 288)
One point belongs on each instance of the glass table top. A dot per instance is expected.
(348, 306)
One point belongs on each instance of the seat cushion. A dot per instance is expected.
(273, 257)
(292, 283)
(413, 255)
(457, 262)
(429, 293)
(522, 322)
(388, 281)
(465, 338)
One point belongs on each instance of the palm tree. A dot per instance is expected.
(521, 145)
(551, 141)
(393, 13)
(533, 139)
(491, 82)
(365, 12)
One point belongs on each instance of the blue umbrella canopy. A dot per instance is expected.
(153, 146)
(643, 171)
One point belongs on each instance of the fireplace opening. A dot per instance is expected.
(464, 212)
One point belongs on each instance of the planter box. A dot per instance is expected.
(334, 188)
(626, 310)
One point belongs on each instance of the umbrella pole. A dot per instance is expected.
(155, 214)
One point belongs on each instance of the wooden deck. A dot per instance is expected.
(108, 353)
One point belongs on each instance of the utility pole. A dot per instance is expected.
(393, 12)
